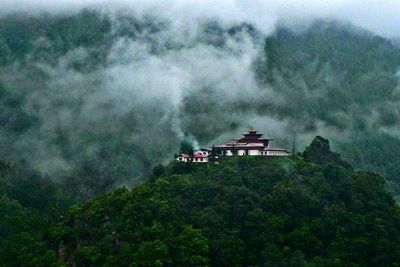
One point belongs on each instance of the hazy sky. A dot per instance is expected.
(380, 16)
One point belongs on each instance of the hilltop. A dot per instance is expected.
(313, 209)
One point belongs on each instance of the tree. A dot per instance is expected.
(151, 253)
(158, 170)
(186, 147)
(192, 248)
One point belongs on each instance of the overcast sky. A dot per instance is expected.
(380, 16)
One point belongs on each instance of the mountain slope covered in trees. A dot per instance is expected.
(93, 100)
(342, 81)
(29, 204)
(310, 210)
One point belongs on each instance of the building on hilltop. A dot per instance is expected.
(202, 155)
(251, 144)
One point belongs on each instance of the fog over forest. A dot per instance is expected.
(98, 97)
(103, 92)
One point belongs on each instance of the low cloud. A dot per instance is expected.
(379, 16)
(189, 69)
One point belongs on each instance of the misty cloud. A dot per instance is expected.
(123, 116)
(379, 16)
(112, 106)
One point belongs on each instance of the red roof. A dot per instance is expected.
(199, 155)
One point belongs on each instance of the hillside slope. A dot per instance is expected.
(341, 81)
(311, 210)
(29, 204)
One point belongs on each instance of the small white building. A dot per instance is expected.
(200, 157)
(183, 158)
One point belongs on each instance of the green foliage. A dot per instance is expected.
(29, 204)
(192, 248)
(343, 80)
(313, 210)
(151, 253)
(31, 189)
(320, 152)
(245, 211)
(21, 231)
(385, 160)
(186, 147)
(326, 70)
(158, 170)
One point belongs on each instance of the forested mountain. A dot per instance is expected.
(339, 79)
(95, 99)
(91, 101)
(309, 210)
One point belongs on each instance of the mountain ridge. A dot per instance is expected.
(311, 210)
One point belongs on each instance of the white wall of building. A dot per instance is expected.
(200, 160)
(241, 152)
(226, 152)
(251, 152)
(277, 153)
(254, 152)
(182, 159)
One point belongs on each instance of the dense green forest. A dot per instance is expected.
(93, 105)
(30, 203)
(345, 79)
(313, 209)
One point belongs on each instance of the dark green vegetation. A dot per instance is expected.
(29, 204)
(77, 120)
(310, 210)
(339, 79)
